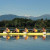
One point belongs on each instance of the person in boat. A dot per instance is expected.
(44, 32)
(16, 30)
(35, 31)
(7, 30)
(25, 30)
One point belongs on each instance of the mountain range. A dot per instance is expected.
(11, 16)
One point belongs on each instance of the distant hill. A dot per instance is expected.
(11, 16)
(46, 16)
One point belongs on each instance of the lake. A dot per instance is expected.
(22, 44)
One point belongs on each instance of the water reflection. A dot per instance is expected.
(22, 44)
(21, 38)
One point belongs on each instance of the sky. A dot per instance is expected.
(25, 7)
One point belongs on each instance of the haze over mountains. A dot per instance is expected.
(11, 16)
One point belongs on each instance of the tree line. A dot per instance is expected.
(28, 23)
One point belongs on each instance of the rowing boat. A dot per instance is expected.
(21, 34)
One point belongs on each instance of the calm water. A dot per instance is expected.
(22, 44)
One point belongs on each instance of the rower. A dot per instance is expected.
(35, 31)
(25, 32)
(7, 31)
(44, 32)
(16, 31)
